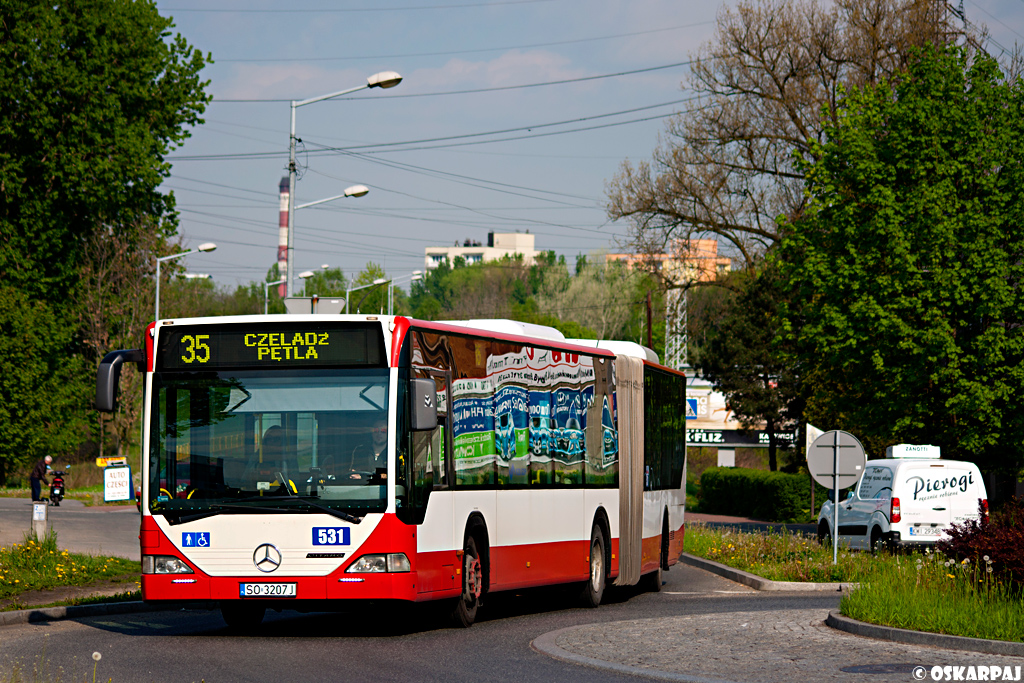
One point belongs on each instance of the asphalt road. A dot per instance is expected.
(102, 530)
(381, 645)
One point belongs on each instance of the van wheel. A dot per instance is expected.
(242, 616)
(878, 545)
(468, 604)
(593, 590)
(824, 537)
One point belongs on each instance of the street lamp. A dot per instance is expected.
(266, 294)
(348, 292)
(208, 246)
(383, 80)
(415, 276)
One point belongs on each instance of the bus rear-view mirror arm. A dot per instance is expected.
(423, 393)
(108, 377)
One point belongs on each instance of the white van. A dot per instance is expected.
(909, 499)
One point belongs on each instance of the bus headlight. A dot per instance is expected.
(164, 564)
(379, 564)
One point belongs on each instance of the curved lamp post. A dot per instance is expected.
(207, 246)
(415, 276)
(383, 80)
(266, 293)
(348, 293)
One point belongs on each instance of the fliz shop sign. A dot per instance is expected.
(736, 437)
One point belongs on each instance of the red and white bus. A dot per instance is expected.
(301, 461)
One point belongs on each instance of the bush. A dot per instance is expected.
(768, 496)
(994, 545)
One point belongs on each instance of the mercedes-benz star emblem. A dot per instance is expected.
(267, 558)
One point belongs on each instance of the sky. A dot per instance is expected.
(513, 115)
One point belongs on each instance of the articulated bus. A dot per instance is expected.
(307, 461)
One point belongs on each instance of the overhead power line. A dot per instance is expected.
(447, 53)
(563, 81)
(353, 10)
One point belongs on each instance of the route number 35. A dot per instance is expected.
(195, 348)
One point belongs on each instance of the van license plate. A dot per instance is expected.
(266, 590)
(925, 531)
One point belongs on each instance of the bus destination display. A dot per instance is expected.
(268, 345)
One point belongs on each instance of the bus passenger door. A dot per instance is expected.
(435, 543)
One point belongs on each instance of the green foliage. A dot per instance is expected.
(777, 555)
(40, 399)
(40, 565)
(372, 298)
(325, 283)
(937, 595)
(745, 361)
(909, 263)
(95, 94)
(758, 494)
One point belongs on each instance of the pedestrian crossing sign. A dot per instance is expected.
(691, 409)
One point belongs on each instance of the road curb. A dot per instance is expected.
(755, 581)
(25, 616)
(547, 644)
(901, 635)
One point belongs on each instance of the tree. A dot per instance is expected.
(94, 94)
(909, 264)
(744, 360)
(372, 298)
(728, 164)
(601, 297)
(325, 283)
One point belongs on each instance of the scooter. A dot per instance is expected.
(57, 486)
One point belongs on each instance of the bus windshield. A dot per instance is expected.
(237, 440)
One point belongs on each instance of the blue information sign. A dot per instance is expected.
(325, 535)
(195, 539)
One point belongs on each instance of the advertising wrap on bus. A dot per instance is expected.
(493, 413)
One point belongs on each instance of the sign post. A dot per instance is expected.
(836, 459)
(117, 483)
(39, 520)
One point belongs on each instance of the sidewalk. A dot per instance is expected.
(752, 647)
(747, 524)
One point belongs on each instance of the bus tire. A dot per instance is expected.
(593, 589)
(242, 616)
(651, 582)
(468, 604)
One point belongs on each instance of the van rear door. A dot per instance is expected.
(935, 494)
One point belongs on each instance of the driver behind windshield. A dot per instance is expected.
(370, 458)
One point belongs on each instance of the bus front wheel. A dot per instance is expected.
(468, 603)
(593, 590)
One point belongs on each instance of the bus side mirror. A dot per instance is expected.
(423, 394)
(108, 377)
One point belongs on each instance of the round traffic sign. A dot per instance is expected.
(830, 448)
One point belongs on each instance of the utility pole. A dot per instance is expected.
(650, 335)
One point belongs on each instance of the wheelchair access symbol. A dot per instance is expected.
(195, 539)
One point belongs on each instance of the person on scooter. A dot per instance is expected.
(38, 477)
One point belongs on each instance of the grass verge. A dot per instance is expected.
(777, 556)
(35, 565)
(933, 594)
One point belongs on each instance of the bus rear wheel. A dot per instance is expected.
(652, 581)
(242, 615)
(593, 590)
(468, 604)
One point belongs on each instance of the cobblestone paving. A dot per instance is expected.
(758, 647)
